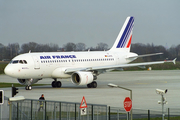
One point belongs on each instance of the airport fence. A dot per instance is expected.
(138, 114)
(55, 110)
(30, 109)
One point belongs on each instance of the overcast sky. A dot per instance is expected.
(90, 22)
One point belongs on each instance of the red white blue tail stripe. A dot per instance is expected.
(125, 39)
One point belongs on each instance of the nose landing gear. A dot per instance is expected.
(28, 87)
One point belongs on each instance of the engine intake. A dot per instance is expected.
(82, 78)
(28, 81)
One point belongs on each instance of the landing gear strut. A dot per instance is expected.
(92, 85)
(56, 83)
(28, 87)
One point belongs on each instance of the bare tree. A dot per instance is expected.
(10, 51)
(80, 46)
(3, 51)
(1, 45)
(102, 46)
(13, 49)
(31, 46)
(69, 47)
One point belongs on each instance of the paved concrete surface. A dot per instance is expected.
(142, 83)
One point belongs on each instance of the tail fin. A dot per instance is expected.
(123, 41)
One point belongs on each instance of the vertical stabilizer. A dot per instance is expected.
(123, 41)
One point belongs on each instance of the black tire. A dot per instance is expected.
(28, 87)
(89, 85)
(58, 84)
(94, 84)
(53, 84)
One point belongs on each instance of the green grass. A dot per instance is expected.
(2, 66)
(165, 66)
(4, 85)
(160, 118)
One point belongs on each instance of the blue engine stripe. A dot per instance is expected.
(126, 33)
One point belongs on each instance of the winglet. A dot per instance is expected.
(173, 61)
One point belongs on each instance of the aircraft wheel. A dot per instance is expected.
(28, 87)
(94, 84)
(58, 84)
(53, 84)
(89, 85)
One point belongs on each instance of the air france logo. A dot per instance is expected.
(57, 56)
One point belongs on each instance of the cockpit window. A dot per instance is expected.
(18, 61)
(25, 61)
(15, 62)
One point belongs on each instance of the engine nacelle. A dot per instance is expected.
(28, 81)
(59, 73)
(82, 78)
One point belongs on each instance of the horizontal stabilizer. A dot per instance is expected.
(145, 55)
(150, 54)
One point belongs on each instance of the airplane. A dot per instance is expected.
(82, 67)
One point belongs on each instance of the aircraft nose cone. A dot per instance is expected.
(8, 70)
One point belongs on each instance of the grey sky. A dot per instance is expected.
(90, 22)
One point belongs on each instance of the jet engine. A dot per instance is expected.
(28, 81)
(82, 78)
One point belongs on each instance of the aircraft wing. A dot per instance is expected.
(71, 70)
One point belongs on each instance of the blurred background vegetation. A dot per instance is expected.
(13, 49)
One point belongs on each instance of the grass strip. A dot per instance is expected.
(4, 85)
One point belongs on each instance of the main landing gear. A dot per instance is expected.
(92, 85)
(28, 87)
(56, 83)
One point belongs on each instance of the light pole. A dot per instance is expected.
(117, 86)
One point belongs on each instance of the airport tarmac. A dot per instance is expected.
(142, 83)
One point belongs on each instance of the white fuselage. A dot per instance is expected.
(44, 65)
(82, 67)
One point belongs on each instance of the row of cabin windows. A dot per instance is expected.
(78, 60)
